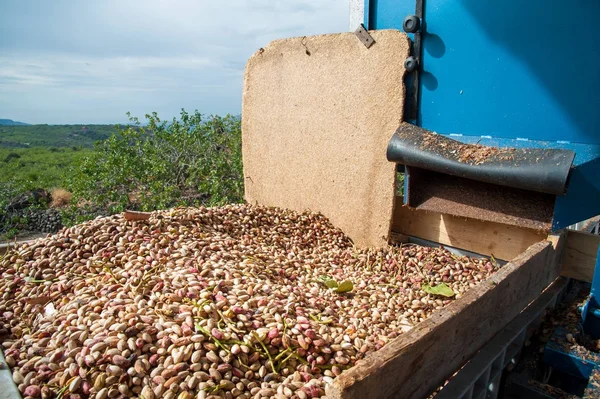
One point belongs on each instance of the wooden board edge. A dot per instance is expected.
(503, 241)
(580, 252)
(417, 362)
(481, 360)
(558, 240)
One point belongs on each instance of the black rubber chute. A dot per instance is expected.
(534, 169)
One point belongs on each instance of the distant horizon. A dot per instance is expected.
(73, 62)
(58, 124)
(142, 119)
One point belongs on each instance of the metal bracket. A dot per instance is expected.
(590, 312)
(414, 109)
(364, 36)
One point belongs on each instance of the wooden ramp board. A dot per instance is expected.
(317, 115)
(503, 241)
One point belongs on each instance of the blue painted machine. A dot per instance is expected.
(521, 78)
(508, 74)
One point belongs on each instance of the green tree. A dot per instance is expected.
(188, 161)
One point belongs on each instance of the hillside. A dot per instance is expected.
(35, 156)
(10, 122)
(53, 135)
(38, 166)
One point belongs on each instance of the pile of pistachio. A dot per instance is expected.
(236, 301)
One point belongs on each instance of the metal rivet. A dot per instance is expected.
(411, 64)
(411, 24)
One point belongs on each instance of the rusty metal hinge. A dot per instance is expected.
(363, 35)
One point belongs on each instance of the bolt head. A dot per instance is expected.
(411, 64)
(411, 24)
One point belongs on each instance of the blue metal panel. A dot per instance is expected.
(512, 69)
(367, 14)
(509, 68)
(387, 14)
(583, 197)
(590, 313)
(563, 357)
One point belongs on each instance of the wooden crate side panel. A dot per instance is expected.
(417, 362)
(500, 240)
(579, 260)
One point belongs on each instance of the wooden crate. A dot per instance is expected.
(416, 363)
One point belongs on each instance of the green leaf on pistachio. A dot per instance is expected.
(328, 281)
(441, 289)
(345, 286)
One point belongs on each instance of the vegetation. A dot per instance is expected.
(41, 167)
(9, 221)
(192, 160)
(53, 135)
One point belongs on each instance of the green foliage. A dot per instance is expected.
(9, 223)
(399, 184)
(39, 167)
(39, 156)
(32, 176)
(53, 135)
(190, 161)
(10, 156)
(8, 191)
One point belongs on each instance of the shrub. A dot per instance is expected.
(190, 161)
(32, 176)
(11, 156)
(10, 222)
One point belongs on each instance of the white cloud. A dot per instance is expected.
(64, 70)
(74, 61)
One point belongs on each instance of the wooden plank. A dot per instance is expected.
(579, 260)
(487, 238)
(414, 364)
(135, 215)
(454, 389)
(317, 116)
(558, 241)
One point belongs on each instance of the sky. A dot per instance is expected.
(84, 61)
